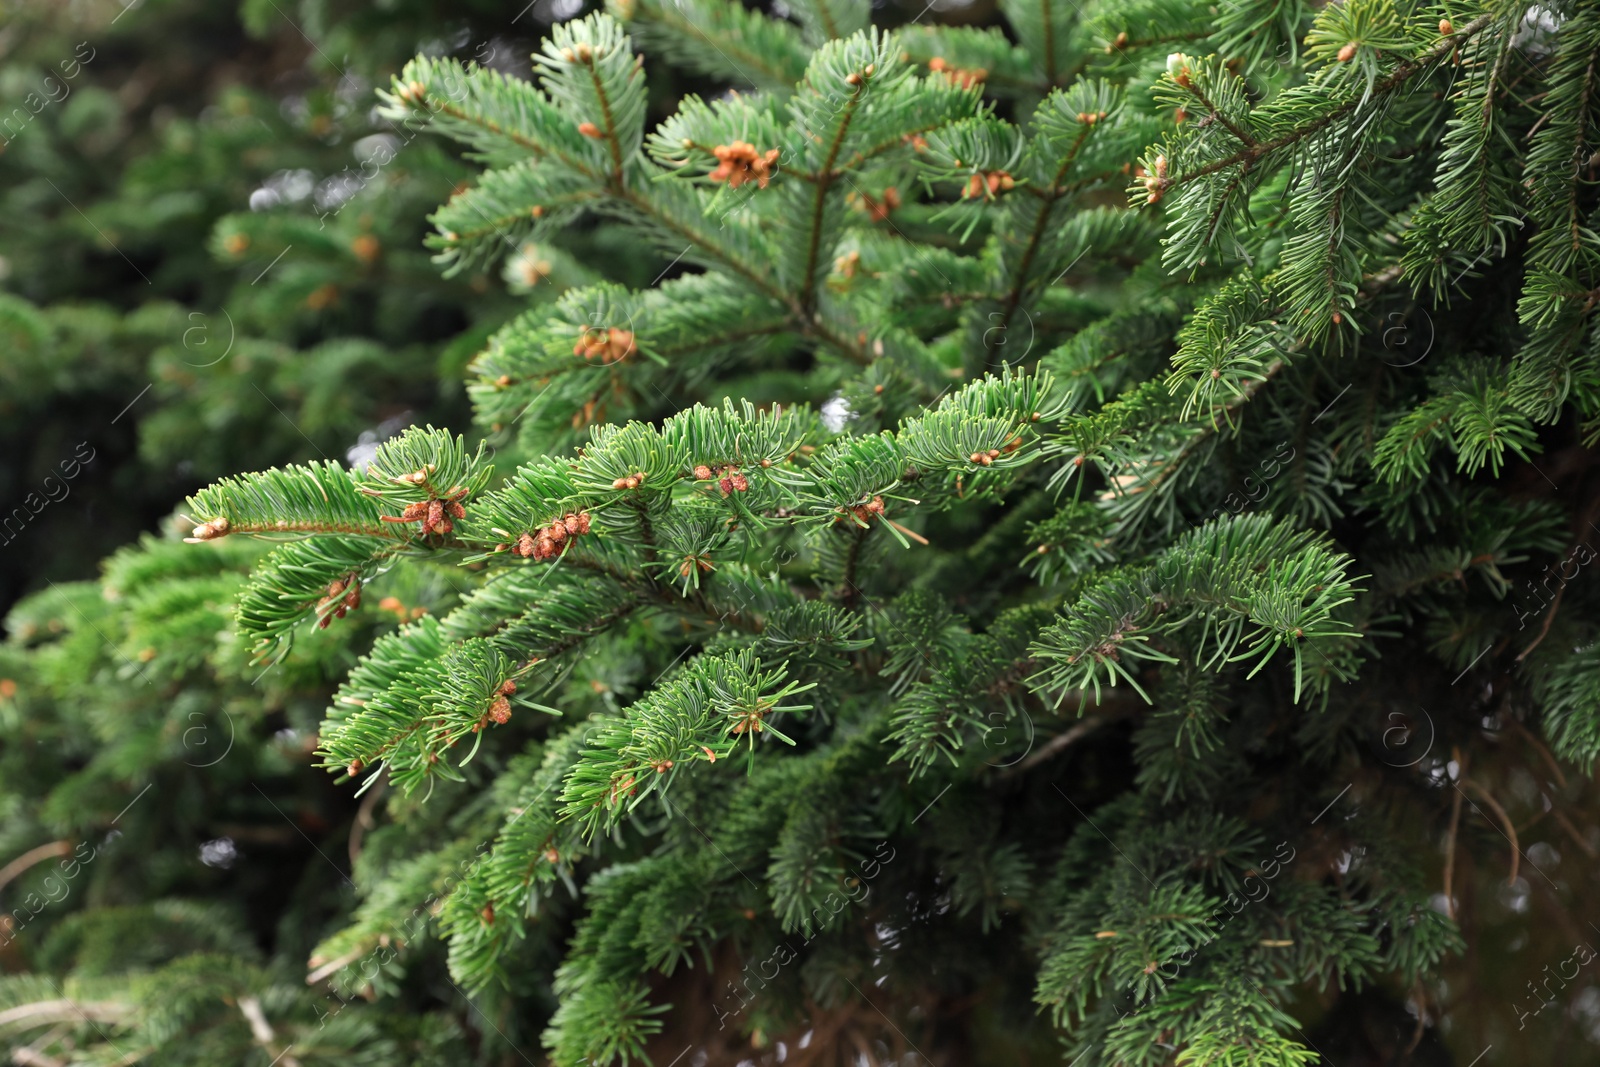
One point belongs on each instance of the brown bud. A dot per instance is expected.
(702, 473)
(206, 531)
(1348, 52)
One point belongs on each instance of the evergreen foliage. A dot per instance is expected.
(963, 612)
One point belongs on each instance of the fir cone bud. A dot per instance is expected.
(355, 767)
(336, 587)
(556, 532)
(589, 129)
(725, 484)
(583, 522)
(206, 531)
(570, 522)
(621, 483)
(1446, 28)
(524, 546)
(702, 473)
(508, 687)
(1348, 52)
(500, 710)
(487, 914)
(740, 483)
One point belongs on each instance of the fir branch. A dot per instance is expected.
(1403, 72)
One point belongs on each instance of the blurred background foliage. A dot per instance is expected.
(204, 268)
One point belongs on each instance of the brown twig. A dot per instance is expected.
(1422, 1016)
(1510, 827)
(1539, 746)
(1079, 730)
(1572, 831)
(261, 1030)
(1450, 842)
(1587, 519)
(1549, 617)
(31, 857)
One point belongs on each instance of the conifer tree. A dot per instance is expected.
(1081, 556)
